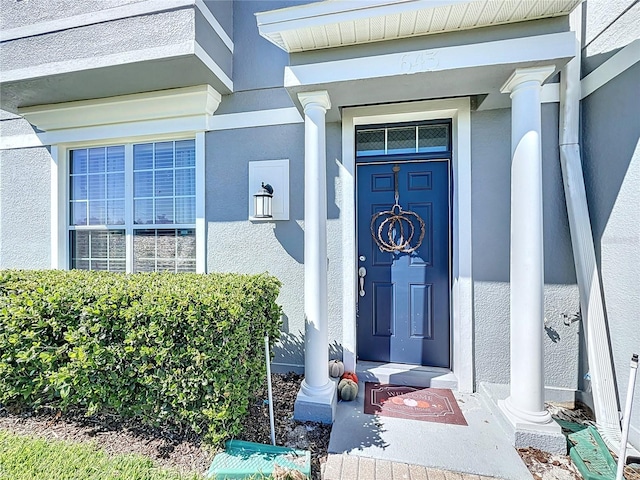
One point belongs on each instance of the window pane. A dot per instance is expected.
(433, 138)
(115, 159)
(115, 212)
(166, 243)
(96, 188)
(98, 250)
(164, 155)
(186, 243)
(78, 161)
(143, 184)
(143, 156)
(185, 210)
(370, 142)
(163, 186)
(164, 249)
(80, 245)
(164, 210)
(78, 213)
(186, 153)
(115, 185)
(186, 181)
(401, 140)
(97, 213)
(144, 245)
(97, 160)
(78, 187)
(143, 212)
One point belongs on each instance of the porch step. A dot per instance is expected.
(401, 374)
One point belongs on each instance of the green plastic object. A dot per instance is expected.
(242, 460)
(591, 456)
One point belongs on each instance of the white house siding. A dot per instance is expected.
(611, 163)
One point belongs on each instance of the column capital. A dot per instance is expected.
(523, 75)
(320, 98)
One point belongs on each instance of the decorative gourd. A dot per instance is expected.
(336, 368)
(350, 376)
(348, 389)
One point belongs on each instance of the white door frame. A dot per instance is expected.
(459, 111)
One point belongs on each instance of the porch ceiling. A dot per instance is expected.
(335, 23)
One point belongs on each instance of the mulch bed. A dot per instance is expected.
(171, 448)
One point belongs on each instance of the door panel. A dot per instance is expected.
(404, 315)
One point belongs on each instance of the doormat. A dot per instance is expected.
(413, 403)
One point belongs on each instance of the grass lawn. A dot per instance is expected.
(24, 458)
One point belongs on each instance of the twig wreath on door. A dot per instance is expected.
(397, 231)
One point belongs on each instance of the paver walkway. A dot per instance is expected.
(355, 467)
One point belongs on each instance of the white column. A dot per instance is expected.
(526, 400)
(316, 382)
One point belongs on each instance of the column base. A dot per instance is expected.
(527, 429)
(316, 404)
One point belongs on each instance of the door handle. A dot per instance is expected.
(362, 272)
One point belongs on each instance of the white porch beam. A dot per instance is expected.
(525, 407)
(316, 400)
(541, 48)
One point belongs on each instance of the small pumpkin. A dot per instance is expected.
(350, 376)
(336, 368)
(347, 389)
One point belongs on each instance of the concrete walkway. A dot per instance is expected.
(353, 467)
(372, 447)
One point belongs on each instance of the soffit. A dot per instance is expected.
(335, 23)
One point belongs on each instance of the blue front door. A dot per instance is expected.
(403, 302)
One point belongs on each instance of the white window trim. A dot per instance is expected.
(459, 111)
(60, 197)
(174, 114)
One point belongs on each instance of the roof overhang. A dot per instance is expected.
(335, 23)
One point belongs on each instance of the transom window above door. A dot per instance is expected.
(132, 207)
(422, 138)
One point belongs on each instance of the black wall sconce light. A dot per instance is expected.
(262, 202)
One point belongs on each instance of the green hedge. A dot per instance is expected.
(182, 349)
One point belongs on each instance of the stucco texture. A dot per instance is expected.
(20, 13)
(491, 162)
(611, 164)
(118, 36)
(236, 244)
(25, 208)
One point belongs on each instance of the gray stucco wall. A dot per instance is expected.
(223, 11)
(238, 245)
(25, 181)
(609, 25)
(118, 36)
(611, 164)
(491, 163)
(20, 13)
(251, 71)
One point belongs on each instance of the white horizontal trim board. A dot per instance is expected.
(259, 118)
(212, 65)
(162, 127)
(621, 61)
(527, 49)
(117, 13)
(172, 103)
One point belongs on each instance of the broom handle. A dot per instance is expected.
(271, 420)
(622, 458)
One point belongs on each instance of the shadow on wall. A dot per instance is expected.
(291, 348)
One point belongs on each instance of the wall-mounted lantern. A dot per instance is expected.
(262, 202)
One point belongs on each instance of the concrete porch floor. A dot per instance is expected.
(409, 449)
